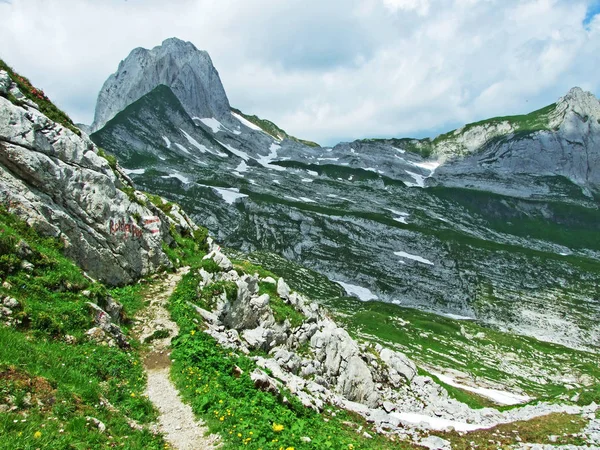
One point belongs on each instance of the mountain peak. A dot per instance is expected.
(577, 104)
(178, 64)
(581, 101)
(176, 42)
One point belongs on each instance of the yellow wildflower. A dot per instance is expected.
(277, 427)
(193, 332)
(133, 395)
(37, 435)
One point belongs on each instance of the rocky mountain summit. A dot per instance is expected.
(187, 71)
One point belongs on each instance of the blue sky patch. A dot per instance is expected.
(593, 9)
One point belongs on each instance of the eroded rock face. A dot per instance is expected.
(56, 181)
(179, 65)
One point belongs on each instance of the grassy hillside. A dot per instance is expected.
(55, 384)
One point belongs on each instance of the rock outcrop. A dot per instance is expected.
(58, 183)
(179, 65)
(316, 356)
(321, 364)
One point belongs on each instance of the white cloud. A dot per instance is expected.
(419, 6)
(340, 69)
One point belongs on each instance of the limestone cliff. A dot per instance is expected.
(179, 65)
(58, 182)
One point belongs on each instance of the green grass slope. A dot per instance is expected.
(52, 379)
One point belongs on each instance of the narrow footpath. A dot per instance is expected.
(176, 421)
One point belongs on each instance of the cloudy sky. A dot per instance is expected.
(325, 70)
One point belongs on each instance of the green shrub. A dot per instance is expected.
(112, 161)
(158, 334)
(210, 266)
(208, 296)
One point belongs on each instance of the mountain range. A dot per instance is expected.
(495, 221)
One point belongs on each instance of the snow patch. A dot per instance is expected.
(167, 141)
(435, 423)
(341, 198)
(182, 148)
(312, 173)
(193, 142)
(402, 216)
(242, 167)
(500, 397)
(236, 152)
(230, 195)
(328, 159)
(246, 122)
(266, 161)
(428, 165)
(211, 123)
(398, 213)
(307, 180)
(457, 317)
(419, 180)
(399, 150)
(134, 171)
(362, 293)
(413, 257)
(307, 200)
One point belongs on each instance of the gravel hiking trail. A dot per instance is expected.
(176, 420)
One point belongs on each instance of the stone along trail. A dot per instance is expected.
(176, 421)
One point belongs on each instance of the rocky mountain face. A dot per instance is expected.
(494, 222)
(508, 157)
(187, 71)
(58, 182)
